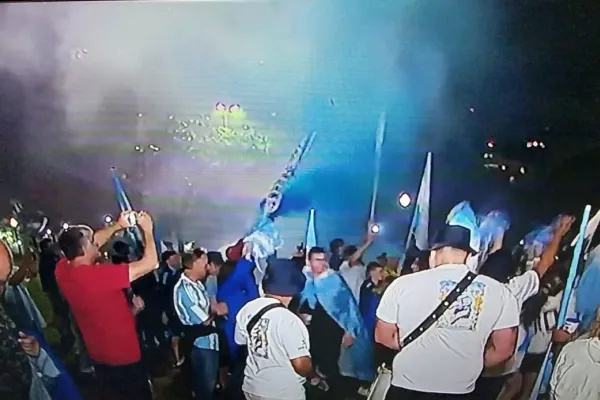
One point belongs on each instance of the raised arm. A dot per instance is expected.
(363, 247)
(149, 260)
(548, 256)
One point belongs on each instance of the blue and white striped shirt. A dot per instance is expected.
(192, 306)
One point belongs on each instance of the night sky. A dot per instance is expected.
(82, 84)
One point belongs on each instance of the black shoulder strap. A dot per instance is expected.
(260, 314)
(441, 308)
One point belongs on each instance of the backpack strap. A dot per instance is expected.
(254, 320)
(441, 308)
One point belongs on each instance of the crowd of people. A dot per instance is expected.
(320, 324)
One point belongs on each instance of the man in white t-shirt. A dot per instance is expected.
(278, 343)
(501, 267)
(479, 329)
(352, 268)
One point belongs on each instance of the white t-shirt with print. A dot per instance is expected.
(522, 287)
(452, 350)
(278, 337)
(354, 277)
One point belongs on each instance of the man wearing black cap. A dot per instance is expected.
(278, 343)
(459, 322)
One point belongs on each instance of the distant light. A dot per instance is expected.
(48, 231)
(154, 148)
(273, 114)
(528, 145)
(511, 179)
(490, 145)
(138, 148)
(234, 108)
(140, 115)
(171, 117)
(522, 243)
(65, 226)
(13, 222)
(472, 109)
(19, 242)
(535, 144)
(375, 229)
(542, 145)
(246, 127)
(220, 107)
(522, 170)
(485, 155)
(503, 167)
(404, 200)
(108, 219)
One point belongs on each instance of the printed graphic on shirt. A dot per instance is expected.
(259, 341)
(465, 311)
(303, 345)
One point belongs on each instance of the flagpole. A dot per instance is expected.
(378, 146)
(546, 370)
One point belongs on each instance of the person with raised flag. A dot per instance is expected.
(95, 294)
(500, 266)
(462, 322)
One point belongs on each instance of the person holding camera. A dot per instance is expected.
(95, 294)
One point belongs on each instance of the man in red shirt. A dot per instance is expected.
(96, 298)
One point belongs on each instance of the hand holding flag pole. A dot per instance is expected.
(546, 370)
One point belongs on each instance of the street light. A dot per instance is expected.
(13, 222)
(65, 226)
(108, 219)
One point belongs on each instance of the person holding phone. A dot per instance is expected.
(95, 294)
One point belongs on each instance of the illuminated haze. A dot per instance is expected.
(75, 76)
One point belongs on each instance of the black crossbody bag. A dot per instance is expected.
(385, 356)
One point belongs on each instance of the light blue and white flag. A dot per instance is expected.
(311, 232)
(125, 205)
(418, 233)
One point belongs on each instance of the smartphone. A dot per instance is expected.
(132, 219)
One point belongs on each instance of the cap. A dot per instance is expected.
(455, 236)
(234, 253)
(283, 278)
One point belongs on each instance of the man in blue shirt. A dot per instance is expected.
(194, 310)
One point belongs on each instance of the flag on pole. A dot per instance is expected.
(418, 234)
(379, 137)
(311, 232)
(125, 205)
